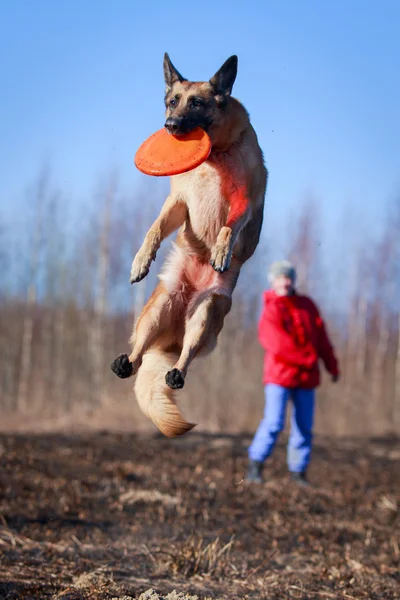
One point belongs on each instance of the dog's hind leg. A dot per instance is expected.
(154, 320)
(204, 321)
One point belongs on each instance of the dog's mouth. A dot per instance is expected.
(183, 127)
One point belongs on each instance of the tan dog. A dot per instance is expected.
(219, 209)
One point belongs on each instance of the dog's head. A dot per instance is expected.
(192, 104)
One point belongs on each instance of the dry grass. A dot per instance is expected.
(197, 557)
(109, 516)
(147, 497)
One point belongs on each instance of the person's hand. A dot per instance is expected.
(335, 378)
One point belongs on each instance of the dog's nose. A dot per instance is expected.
(172, 124)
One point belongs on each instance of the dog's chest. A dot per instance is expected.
(205, 196)
(205, 192)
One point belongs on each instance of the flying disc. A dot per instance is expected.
(166, 154)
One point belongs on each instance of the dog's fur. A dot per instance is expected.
(219, 209)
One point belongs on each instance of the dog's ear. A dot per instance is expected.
(171, 75)
(224, 78)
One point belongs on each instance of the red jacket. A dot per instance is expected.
(294, 337)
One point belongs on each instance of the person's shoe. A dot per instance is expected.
(254, 471)
(299, 478)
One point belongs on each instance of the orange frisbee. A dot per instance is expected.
(166, 154)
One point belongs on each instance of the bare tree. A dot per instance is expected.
(98, 326)
(39, 200)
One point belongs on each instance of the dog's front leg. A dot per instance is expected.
(239, 214)
(172, 216)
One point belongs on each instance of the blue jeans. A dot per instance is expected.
(300, 438)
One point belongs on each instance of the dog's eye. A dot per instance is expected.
(172, 103)
(197, 103)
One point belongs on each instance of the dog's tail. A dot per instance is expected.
(155, 397)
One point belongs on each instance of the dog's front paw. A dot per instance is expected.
(221, 258)
(221, 254)
(140, 267)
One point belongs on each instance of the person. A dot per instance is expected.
(294, 338)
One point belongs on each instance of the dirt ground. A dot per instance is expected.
(118, 516)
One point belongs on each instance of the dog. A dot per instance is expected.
(218, 208)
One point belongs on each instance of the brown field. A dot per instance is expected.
(110, 515)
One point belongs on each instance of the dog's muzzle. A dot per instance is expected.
(173, 125)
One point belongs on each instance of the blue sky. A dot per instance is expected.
(82, 87)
